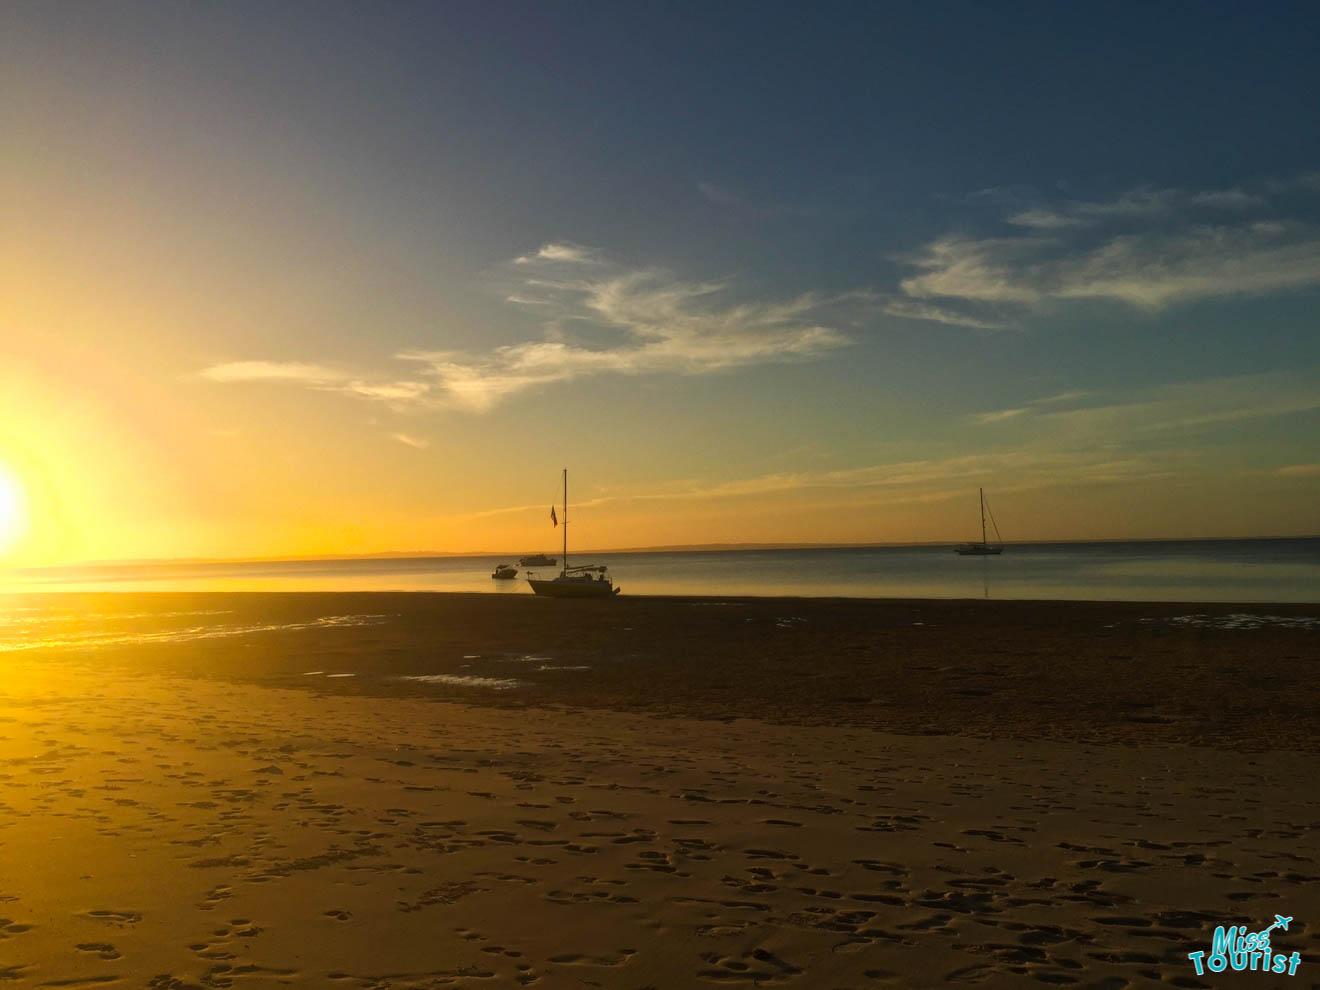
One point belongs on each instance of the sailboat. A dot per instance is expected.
(583, 581)
(982, 549)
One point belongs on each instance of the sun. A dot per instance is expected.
(13, 517)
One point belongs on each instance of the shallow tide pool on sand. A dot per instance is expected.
(1242, 621)
(66, 630)
(466, 680)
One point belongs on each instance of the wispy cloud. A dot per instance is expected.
(1165, 409)
(912, 309)
(658, 324)
(1145, 203)
(320, 377)
(1149, 248)
(999, 415)
(1306, 182)
(572, 253)
(411, 441)
(932, 480)
(1042, 218)
(601, 318)
(1083, 438)
(1031, 406)
(274, 371)
(1061, 398)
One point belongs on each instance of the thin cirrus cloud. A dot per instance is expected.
(316, 376)
(274, 371)
(1148, 248)
(1033, 405)
(897, 482)
(1152, 412)
(913, 309)
(558, 252)
(650, 322)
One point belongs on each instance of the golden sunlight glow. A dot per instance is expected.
(13, 519)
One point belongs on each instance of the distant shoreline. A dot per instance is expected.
(678, 548)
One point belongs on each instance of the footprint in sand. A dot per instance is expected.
(652, 860)
(9, 928)
(881, 975)
(103, 950)
(581, 959)
(765, 968)
(120, 919)
(894, 900)
(771, 854)
(214, 896)
(541, 826)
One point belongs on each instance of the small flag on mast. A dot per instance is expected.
(554, 520)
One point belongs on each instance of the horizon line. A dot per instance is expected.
(671, 548)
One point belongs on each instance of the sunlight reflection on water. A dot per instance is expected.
(98, 639)
(1281, 570)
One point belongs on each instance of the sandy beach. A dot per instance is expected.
(412, 791)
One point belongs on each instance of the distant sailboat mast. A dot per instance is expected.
(583, 581)
(984, 548)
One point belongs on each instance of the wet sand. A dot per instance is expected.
(732, 792)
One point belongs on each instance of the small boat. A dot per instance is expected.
(982, 549)
(537, 560)
(505, 572)
(583, 581)
(590, 581)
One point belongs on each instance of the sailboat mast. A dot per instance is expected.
(566, 520)
(981, 490)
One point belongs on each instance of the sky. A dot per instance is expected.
(320, 278)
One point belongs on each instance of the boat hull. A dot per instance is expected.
(538, 561)
(559, 588)
(978, 550)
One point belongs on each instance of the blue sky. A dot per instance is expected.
(797, 272)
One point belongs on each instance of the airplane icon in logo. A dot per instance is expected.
(1279, 922)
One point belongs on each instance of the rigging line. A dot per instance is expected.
(990, 513)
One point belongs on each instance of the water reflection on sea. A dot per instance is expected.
(1284, 570)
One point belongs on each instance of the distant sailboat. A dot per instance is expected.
(982, 549)
(584, 581)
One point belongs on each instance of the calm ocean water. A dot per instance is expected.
(1278, 570)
